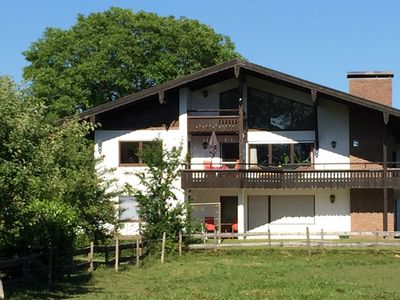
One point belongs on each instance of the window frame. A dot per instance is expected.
(140, 148)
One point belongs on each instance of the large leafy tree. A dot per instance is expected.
(49, 188)
(110, 54)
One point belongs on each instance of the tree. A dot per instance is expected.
(49, 189)
(108, 55)
(159, 208)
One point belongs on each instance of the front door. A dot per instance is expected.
(228, 212)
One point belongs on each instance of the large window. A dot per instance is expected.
(129, 152)
(278, 154)
(129, 208)
(279, 209)
(292, 209)
(270, 112)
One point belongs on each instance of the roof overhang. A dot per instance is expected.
(231, 69)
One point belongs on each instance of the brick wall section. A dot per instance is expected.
(366, 209)
(374, 89)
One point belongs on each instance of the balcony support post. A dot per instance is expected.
(385, 189)
(241, 120)
(315, 101)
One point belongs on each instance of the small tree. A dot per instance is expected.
(159, 207)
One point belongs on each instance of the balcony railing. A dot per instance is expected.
(291, 179)
(208, 120)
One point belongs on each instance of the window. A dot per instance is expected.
(270, 112)
(129, 152)
(279, 209)
(229, 100)
(128, 206)
(292, 209)
(230, 151)
(278, 154)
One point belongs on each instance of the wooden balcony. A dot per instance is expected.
(201, 123)
(290, 179)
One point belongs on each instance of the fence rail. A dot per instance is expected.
(306, 239)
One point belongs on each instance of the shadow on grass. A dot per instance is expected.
(64, 288)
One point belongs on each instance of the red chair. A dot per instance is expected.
(237, 165)
(207, 164)
(234, 227)
(209, 224)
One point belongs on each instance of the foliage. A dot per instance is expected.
(159, 208)
(49, 190)
(110, 54)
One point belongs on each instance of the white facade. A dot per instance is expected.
(253, 212)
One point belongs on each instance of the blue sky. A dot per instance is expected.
(317, 40)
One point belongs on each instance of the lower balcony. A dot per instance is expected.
(289, 179)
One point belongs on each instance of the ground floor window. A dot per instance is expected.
(129, 208)
(280, 209)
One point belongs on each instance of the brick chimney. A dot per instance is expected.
(375, 86)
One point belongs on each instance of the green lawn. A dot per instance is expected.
(241, 274)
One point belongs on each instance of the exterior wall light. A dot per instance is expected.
(205, 93)
(332, 198)
(205, 144)
(333, 144)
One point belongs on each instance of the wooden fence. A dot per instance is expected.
(306, 239)
(29, 269)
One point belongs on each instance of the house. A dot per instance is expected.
(289, 153)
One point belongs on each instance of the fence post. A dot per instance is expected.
(1, 290)
(215, 241)
(322, 238)
(180, 243)
(377, 240)
(90, 256)
(163, 248)
(137, 252)
(269, 238)
(116, 254)
(308, 241)
(106, 256)
(50, 275)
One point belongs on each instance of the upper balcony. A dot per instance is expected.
(218, 120)
(285, 177)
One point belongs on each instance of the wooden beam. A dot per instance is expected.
(237, 70)
(315, 100)
(385, 188)
(241, 120)
(161, 97)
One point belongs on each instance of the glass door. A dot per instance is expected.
(228, 212)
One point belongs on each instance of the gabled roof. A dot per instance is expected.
(234, 67)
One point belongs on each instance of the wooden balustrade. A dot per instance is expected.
(213, 123)
(285, 179)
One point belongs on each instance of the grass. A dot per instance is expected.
(240, 274)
